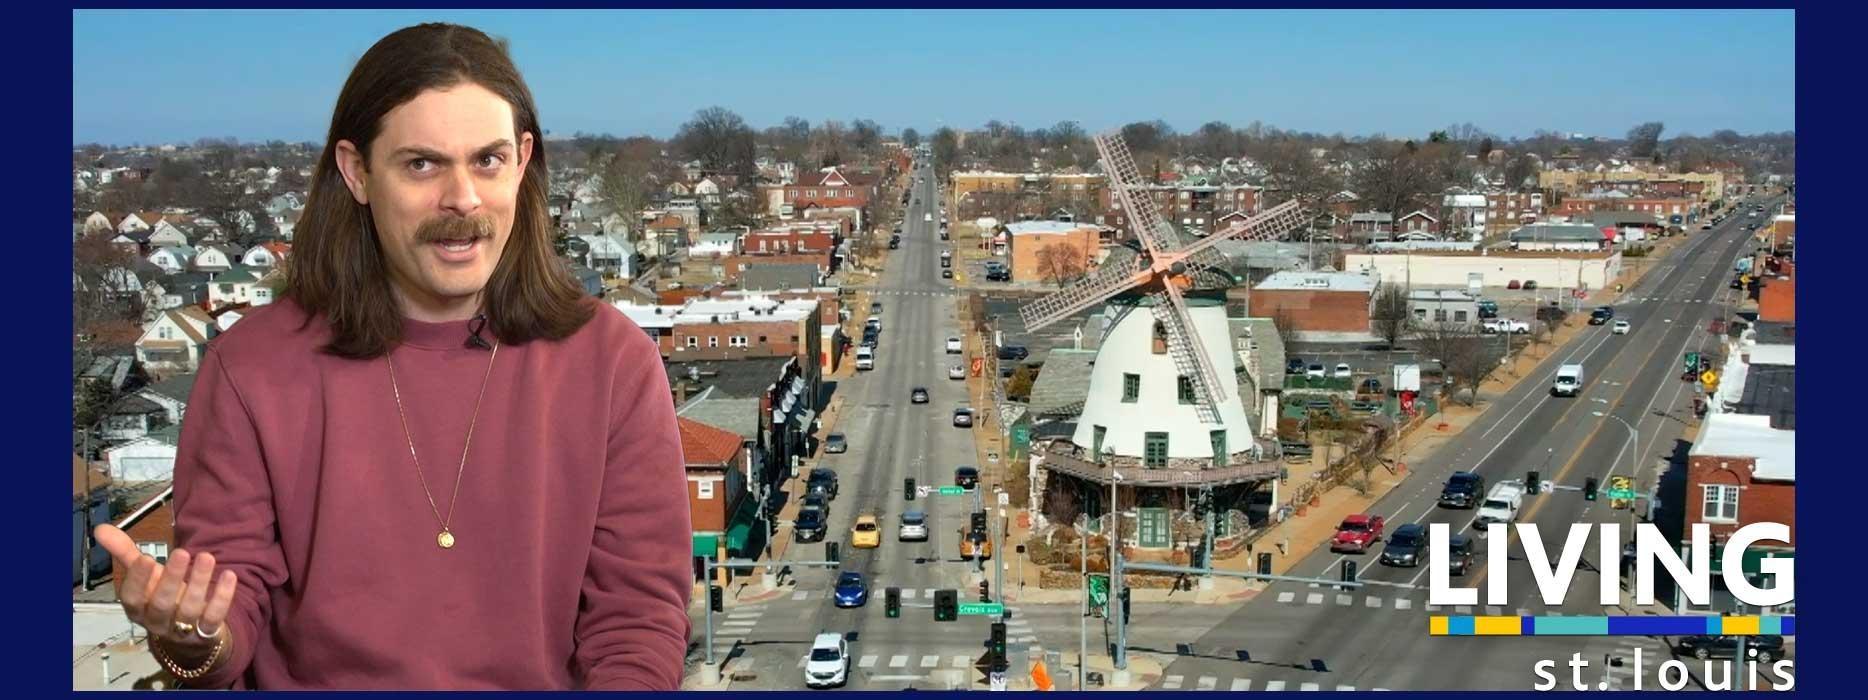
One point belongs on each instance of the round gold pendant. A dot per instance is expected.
(445, 539)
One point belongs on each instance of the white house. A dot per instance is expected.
(234, 286)
(173, 259)
(97, 222)
(215, 258)
(141, 460)
(265, 255)
(610, 255)
(166, 234)
(173, 343)
(288, 222)
(267, 289)
(714, 244)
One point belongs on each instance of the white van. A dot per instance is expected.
(865, 358)
(1569, 380)
(1501, 505)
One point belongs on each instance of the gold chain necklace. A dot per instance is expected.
(446, 538)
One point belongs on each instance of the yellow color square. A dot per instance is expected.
(1741, 624)
(1436, 625)
(1497, 625)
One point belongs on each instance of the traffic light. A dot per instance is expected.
(1125, 605)
(998, 640)
(716, 598)
(892, 601)
(1264, 563)
(1589, 489)
(831, 554)
(985, 592)
(946, 605)
(908, 489)
(1349, 571)
(979, 521)
(1532, 484)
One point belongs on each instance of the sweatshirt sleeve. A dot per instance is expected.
(224, 506)
(632, 629)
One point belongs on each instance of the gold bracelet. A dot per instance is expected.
(168, 664)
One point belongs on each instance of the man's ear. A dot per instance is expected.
(356, 172)
(525, 151)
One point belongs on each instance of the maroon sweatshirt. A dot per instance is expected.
(571, 567)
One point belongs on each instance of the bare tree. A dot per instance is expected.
(947, 149)
(1061, 263)
(1519, 170)
(1395, 178)
(910, 137)
(1389, 315)
(720, 140)
(1644, 140)
(1470, 359)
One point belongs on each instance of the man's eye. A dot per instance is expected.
(420, 164)
(492, 160)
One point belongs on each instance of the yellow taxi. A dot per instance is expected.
(866, 534)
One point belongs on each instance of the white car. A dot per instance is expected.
(1622, 327)
(829, 662)
(1343, 371)
(956, 372)
(1505, 325)
(1314, 371)
(953, 345)
(914, 527)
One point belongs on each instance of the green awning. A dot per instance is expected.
(736, 536)
(1753, 555)
(739, 526)
(706, 544)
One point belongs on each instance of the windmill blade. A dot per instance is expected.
(1095, 288)
(1189, 355)
(1271, 224)
(1125, 180)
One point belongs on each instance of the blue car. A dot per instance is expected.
(852, 590)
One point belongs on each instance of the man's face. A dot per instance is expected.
(442, 184)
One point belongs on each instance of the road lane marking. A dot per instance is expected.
(1313, 599)
(898, 661)
(1172, 682)
(1241, 684)
(868, 660)
(1286, 597)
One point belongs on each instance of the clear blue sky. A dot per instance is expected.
(150, 77)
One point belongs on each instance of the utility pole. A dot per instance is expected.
(1083, 620)
(1120, 657)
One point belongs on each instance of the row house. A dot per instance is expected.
(1191, 205)
(1509, 210)
(720, 329)
(1741, 470)
(792, 239)
(718, 464)
(829, 187)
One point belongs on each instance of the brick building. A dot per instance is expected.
(720, 329)
(787, 240)
(1026, 241)
(1741, 471)
(1317, 302)
(831, 187)
(1508, 210)
(151, 526)
(718, 467)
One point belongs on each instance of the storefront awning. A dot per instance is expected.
(1752, 557)
(706, 544)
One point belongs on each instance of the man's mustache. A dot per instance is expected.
(454, 228)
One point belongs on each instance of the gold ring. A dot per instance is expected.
(184, 628)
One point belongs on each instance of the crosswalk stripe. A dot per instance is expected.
(898, 661)
(1274, 685)
(800, 595)
(867, 661)
(1403, 603)
(1372, 602)
(802, 660)
(1494, 610)
(1208, 682)
(739, 623)
(1344, 599)
(1524, 612)
(1241, 684)
(1432, 608)
(932, 660)
(908, 594)
(1463, 609)
(960, 661)
(1309, 686)
(1172, 682)
(1286, 597)
(1345, 687)
(927, 593)
(1313, 599)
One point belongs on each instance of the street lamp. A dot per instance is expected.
(1634, 436)
(1119, 658)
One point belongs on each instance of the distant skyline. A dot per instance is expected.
(150, 77)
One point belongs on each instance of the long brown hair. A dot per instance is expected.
(338, 268)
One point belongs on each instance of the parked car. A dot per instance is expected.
(1504, 325)
(913, 527)
(1013, 352)
(1343, 371)
(875, 309)
(918, 395)
(956, 372)
(1356, 533)
(866, 533)
(829, 662)
(1530, 284)
(809, 527)
(1769, 646)
(946, 273)
(963, 417)
(1514, 284)
(1371, 386)
(954, 346)
(818, 501)
(966, 478)
(1294, 365)
(1407, 546)
(835, 444)
(1314, 371)
(821, 479)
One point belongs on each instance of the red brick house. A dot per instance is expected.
(717, 473)
(790, 240)
(1741, 471)
(151, 526)
(1417, 221)
(829, 187)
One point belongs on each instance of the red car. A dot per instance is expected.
(1356, 533)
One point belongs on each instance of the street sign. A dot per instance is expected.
(1099, 590)
(952, 490)
(998, 680)
(1005, 499)
(1621, 487)
(982, 608)
(1708, 378)
(923, 490)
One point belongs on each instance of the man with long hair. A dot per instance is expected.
(434, 463)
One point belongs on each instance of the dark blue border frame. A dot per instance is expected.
(1827, 415)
